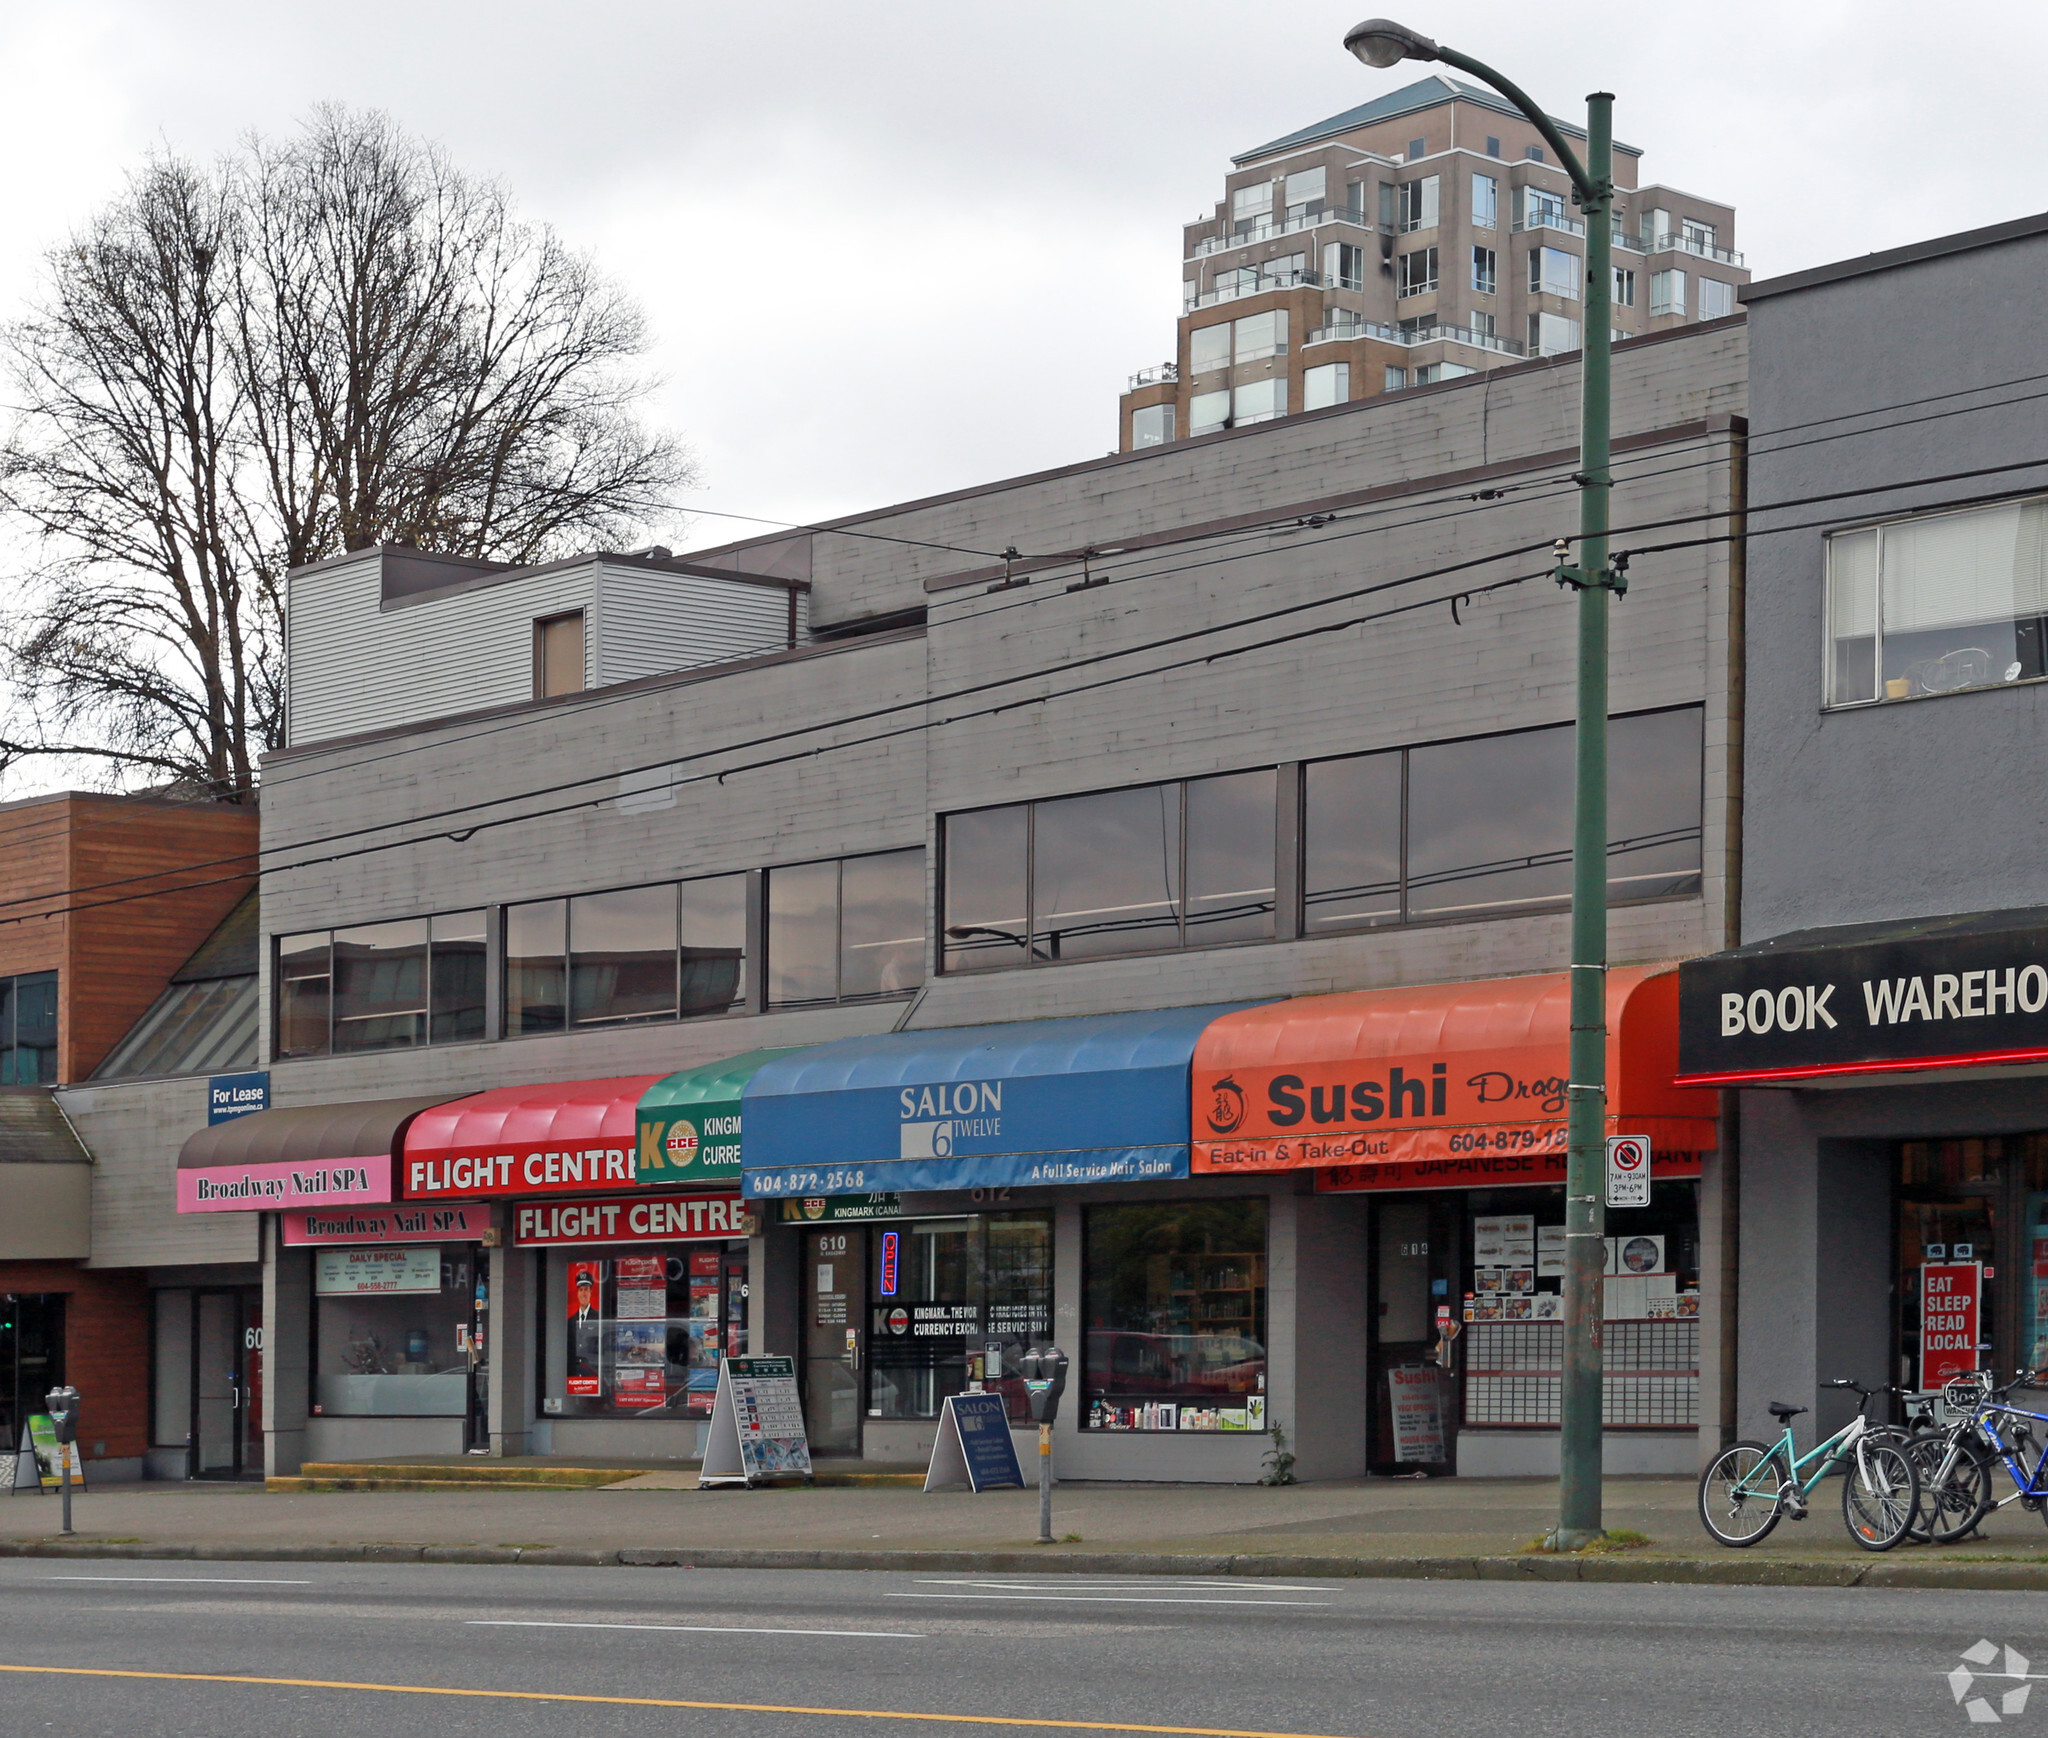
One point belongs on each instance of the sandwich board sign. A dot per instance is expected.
(39, 1463)
(973, 1447)
(1628, 1170)
(757, 1425)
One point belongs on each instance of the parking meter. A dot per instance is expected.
(1045, 1375)
(63, 1404)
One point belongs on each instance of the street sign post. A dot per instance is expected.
(1628, 1170)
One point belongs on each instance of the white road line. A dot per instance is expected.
(691, 1628)
(1112, 1599)
(1121, 1581)
(184, 1580)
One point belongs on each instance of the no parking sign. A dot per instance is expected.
(1628, 1170)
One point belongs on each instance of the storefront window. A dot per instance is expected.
(393, 1327)
(948, 1293)
(31, 1357)
(1977, 1209)
(1176, 1305)
(381, 986)
(847, 930)
(642, 1330)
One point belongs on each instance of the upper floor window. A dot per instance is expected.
(1184, 864)
(1419, 203)
(1936, 603)
(626, 957)
(1697, 234)
(1667, 292)
(848, 930)
(1717, 300)
(1151, 426)
(1492, 146)
(1209, 348)
(1329, 384)
(1344, 265)
(1418, 272)
(1483, 826)
(1417, 148)
(1553, 272)
(1251, 206)
(1541, 209)
(1208, 411)
(1533, 152)
(558, 656)
(1259, 401)
(28, 1029)
(1624, 287)
(1305, 192)
(1258, 336)
(1552, 335)
(1485, 201)
(1485, 270)
(381, 986)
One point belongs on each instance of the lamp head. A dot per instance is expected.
(1381, 42)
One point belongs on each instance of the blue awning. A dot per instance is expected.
(1104, 1098)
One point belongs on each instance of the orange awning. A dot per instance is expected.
(1449, 1082)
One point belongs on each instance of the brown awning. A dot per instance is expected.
(306, 1134)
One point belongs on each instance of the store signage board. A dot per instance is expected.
(690, 1124)
(1930, 995)
(827, 1209)
(377, 1271)
(1951, 1303)
(231, 1095)
(325, 1183)
(652, 1219)
(1478, 1172)
(1628, 1171)
(974, 1447)
(1034, 1170)
(451, 1224)
(757, 1425)
(39, 1444)
(1417, 1414)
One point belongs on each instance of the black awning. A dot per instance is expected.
(306, 1134)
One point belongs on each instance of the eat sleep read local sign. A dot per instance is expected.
(1945, 992)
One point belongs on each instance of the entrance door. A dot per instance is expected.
(227, 1384)
(835, 1338)
(1414, 1241)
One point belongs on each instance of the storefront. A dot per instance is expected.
(1441, 1109)
(1895, 1147)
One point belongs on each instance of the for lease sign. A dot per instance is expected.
(1951, 1293)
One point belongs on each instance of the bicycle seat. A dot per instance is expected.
(1781, 1412)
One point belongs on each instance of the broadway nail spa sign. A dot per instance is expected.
(1872, 999)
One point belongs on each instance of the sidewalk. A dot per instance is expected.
(1442, 1527)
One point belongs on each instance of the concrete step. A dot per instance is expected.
(522, 1474)
(303, 1484)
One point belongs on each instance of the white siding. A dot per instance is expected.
(650, 622)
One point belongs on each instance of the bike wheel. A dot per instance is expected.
(1955, 1487)
(1880, 1492)
(1740, 1493)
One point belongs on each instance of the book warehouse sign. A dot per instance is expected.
(1947, 993)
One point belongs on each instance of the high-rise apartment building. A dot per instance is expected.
(1424, 235)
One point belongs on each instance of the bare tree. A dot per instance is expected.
(317, 346)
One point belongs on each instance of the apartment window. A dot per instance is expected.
(1431, 372)
(1238, 281)
(1209, 348)
(1305, 192)
(1552, 335)
(1417, 148)
(1485, 201)
(1717, 300)
(1250, 206)
(1259, 401)
(1492, 146)
(846, 931)
(1183, 864)
(1624, 287)
(1482, 324)
(1699, 235)
(380, 986)
(1397, 378)
(1261, 335)
(1419, 203)
(1482, 826)
(1344, 265)
(1667, 292)
(1208, 411)
(1937, 603)
(1418, 272)
(1553, 272)
(1151, 425)
(28, 1029)
(1287, 269)
(1484, 270)
(1534, 153)
(1542, 210)
(558, 659)
(1329, 384)
(1656, 227)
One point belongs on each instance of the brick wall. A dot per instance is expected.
(106, 1348)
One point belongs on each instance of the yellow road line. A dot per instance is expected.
(963, 1719)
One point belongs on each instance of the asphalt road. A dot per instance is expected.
(358, 1650)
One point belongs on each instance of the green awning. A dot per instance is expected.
(690, 1122)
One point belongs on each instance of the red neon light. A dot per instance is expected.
(1817, 1070)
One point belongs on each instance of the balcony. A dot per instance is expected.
(1279, 281)
(1337, 331)
(1679, 243)
(1267, 230)
(1161, 374)
(1550, 220)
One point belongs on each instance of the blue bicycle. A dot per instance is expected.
(1956, 1464)
(1750, 1486)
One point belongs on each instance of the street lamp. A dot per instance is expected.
(1380, 42)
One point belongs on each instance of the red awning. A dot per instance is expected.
(526, 1140)
(1436, 1083)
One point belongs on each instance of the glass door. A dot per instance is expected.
(835, 1360)
(1414, 1244)
(227, 1384)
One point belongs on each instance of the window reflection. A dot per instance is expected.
(1351, 842)
(303, 980)
(456, 967)
(622, 965)
(986, 921)
(881, 926)
(1230, 825)
(536, 967)
(380, 985)
(1105, 876)
(803, 935)
(712, 921)
(1489, 823)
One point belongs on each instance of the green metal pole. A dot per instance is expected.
(1579, 1519)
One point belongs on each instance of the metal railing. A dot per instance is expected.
(1277, 281)
(1266, 229)
(1337, 331)
(1159, 374)
(1550, 220)
(1679, 243)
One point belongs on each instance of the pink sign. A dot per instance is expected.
(325, 1183)
(317, 1225)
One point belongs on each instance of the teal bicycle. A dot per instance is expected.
(1751, 1486)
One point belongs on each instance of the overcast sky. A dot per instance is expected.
(889, 247)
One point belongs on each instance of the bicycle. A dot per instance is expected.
(1956, 1464)
(1750, 1486)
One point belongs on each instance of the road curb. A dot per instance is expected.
(1903, 1573)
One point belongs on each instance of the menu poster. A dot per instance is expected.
(1488, 1242)
(757, 1425)
(586, 1328)
(1416, 1414)
(1550, 1252)
(1518, 1240)
(643, 1287)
